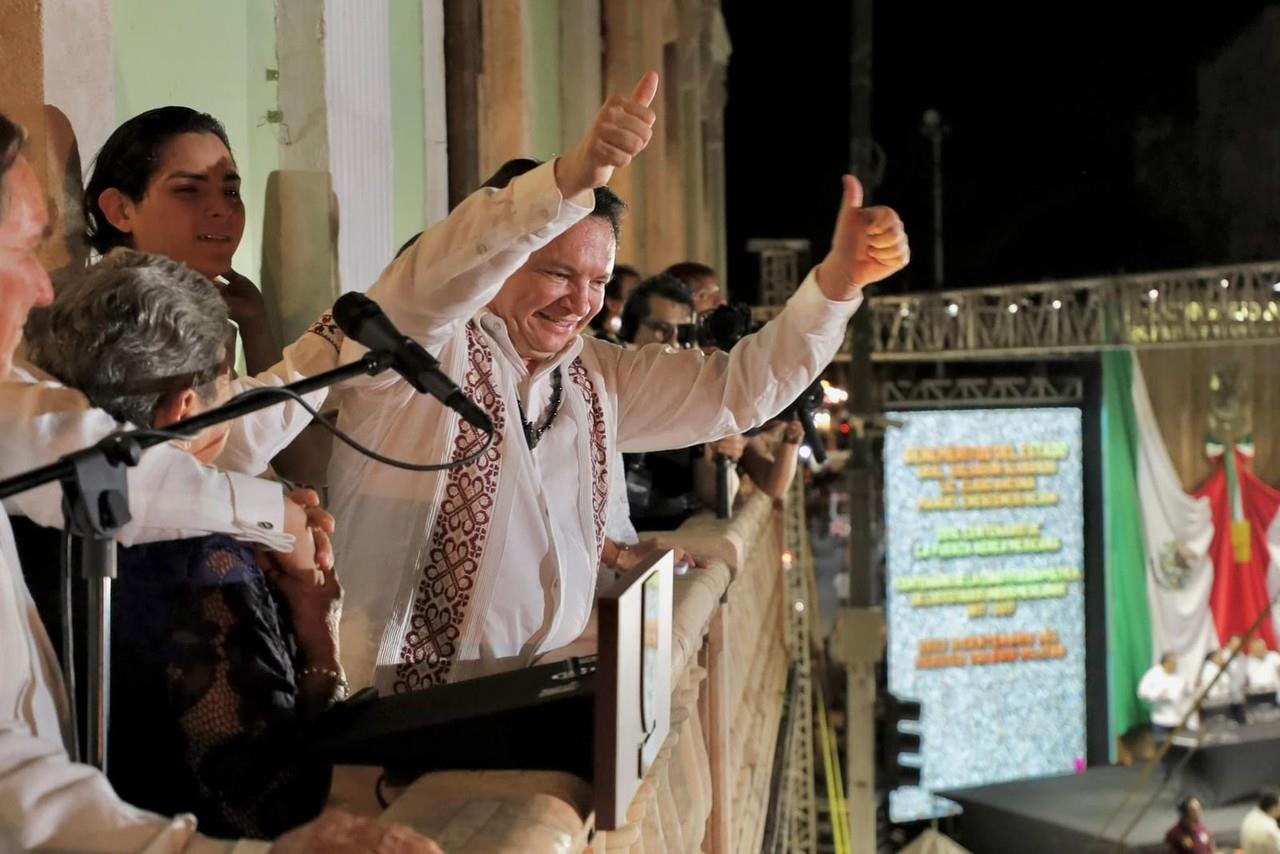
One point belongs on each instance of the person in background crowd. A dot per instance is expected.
(1216, 688)
(1262, 669)
(1237, 676)
(606, 324)
(1259, 833)
(1189, 835)
(666, 487)
(1166, 691)
(656, 310)
(703, 281)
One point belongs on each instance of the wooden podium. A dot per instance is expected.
(603, 718)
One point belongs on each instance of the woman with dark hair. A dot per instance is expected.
(166, 182)
(227, 656)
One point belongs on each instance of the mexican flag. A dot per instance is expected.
(1246, 541)
(1160, 572)
(1184, 572)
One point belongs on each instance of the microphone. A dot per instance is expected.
(361, 319)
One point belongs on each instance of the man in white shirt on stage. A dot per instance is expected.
(1166, 691)
(1262, 668)
(488, 566)
(1214, 682)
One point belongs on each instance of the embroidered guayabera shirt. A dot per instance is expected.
(481, 569)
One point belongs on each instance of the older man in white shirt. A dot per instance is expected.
(46, 800)
(1262, 669)
(486, 567)
(1168, 694)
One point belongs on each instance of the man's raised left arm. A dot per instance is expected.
(672, 399)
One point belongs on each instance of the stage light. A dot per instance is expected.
(799, 607)
(1153, 295)
(822, 421)
(1226, 283)
(1275, 287)
(953, 309)
(804, 453)
(832, 395)
(845, 428)
(1013, 308)
(904, 310)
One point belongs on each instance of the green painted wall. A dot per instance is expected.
(211, 57)
(408, 130)
(542, 49)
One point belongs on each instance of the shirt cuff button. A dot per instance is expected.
(266, 526)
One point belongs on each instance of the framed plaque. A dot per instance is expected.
(633, 688)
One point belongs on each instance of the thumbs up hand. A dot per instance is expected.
(869, 244)
(621, 130)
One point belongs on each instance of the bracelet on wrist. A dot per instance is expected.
(340, 681)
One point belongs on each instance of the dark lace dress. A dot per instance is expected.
(206, 715)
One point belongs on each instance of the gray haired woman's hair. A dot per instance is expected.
(131, 331)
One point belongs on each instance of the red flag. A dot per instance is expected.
(1240, 562)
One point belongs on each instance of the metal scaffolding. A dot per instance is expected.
(801, 829)
(1181, 308)
(944, 392)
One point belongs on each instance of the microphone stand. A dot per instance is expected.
(95, 506)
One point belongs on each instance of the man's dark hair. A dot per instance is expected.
(129, 159)
(636, 308)
(690, 272)
(1165, 656)
(1268, 799)
(12, 138)
(608, 206)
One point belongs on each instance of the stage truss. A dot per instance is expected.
(799, 807)
(973, 392)
(1210, 306)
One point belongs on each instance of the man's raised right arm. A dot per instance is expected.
(458, 265)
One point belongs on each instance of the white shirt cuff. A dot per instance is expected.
(538, 195)
(258, 512)
(818, 314)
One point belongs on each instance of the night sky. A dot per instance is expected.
(1042, 109)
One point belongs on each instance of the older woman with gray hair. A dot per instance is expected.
(227, 655)
(142, 337)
